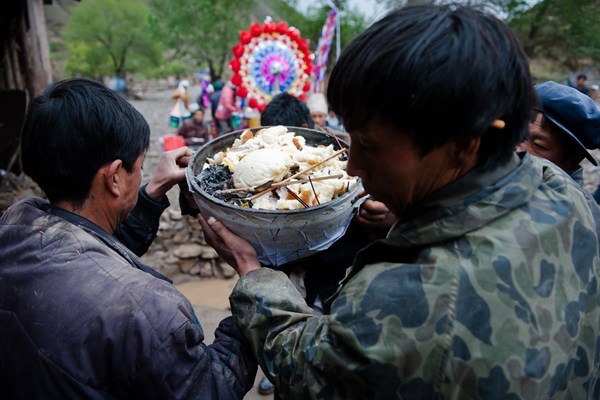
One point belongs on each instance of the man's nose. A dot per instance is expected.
(353, 167)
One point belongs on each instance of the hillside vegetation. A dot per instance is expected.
(561, 37)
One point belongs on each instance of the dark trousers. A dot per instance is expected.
(224, 126)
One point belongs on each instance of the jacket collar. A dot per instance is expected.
(468, 203)
(101, 235)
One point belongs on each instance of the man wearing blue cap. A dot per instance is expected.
(566, 125)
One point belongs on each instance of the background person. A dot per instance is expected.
(464, 298)
(226, 108)
(564, 126)
(287, 110)
(181, 109)
(334, 122)
(581, 84)
(82, 316)
(195, 131)
(245, 119)
(182, 93)
(215, 96)
(317, 105)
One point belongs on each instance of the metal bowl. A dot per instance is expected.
(278, 236)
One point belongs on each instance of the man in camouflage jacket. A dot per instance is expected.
(476, 296)
(487, 285)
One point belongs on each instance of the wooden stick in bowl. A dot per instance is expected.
(297, 174)
(318, 178)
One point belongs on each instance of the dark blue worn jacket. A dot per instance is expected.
(82, 317)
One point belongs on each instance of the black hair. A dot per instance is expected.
(437, 73)
(73, 129)
(582, 76)
(285, 109)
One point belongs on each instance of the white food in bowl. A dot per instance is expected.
(261, 166)
(283, 230)
(267, 156)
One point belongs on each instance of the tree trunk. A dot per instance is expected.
(25, 68)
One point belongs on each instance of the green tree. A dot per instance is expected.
(201, 31)
(110, 37)
(564, 31)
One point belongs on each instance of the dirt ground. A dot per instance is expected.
(210, 300)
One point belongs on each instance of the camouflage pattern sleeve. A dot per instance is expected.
(292, 343)
(494, 296)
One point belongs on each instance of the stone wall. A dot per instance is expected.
(180, 251)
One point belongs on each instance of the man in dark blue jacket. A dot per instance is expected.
(81, 315)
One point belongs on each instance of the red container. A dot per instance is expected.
(172, 142)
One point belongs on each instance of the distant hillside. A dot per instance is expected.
(57, 15)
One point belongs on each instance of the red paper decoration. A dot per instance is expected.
(269, 58)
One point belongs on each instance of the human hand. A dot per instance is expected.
(375, 214)
(236, 251)
(170, 170)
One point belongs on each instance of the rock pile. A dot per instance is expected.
(16, 187)
(180, 251)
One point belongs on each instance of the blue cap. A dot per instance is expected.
(573, 112)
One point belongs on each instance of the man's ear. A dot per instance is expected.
(112, 177)
(465, 150)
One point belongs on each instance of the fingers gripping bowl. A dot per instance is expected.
(248, 199)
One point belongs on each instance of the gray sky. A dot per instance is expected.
(369, 8)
